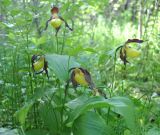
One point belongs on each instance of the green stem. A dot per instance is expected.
(63, 41)
(114, 72)
(65, 95)
(57, 50)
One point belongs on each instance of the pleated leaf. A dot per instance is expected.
(120, 105)
(60, 64)
(90, 123)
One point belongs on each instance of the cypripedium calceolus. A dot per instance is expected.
(80, 76)
(127, 51)
(39, 64)
(56, 20)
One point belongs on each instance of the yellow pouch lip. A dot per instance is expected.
(39, 64)
(132, 53)
(56, 22)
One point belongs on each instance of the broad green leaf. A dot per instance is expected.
(51, 117)
(11, 36)
(22, 113)
(6, 2)
(102, 59)
(41, 92)
(121, 105)
(15, 12)
(94, 102)
(36, 132)
(128, 111)
(60, 64)
(38, 41)
(75, 50)
(41, 40)
(90, 50)
(66, 131)
(90, 123)
(80, 49)
(76, 102)
(153, 131)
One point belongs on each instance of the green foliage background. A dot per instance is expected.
(33, 105)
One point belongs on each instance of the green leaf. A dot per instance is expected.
(94, 102)
(36, 132)
(90, 123)
(76, 50)
(128, 111)
(41, 92)
(42, 40)
(153, 131)
(60, 64)
(39, 41)
(15, 12)
(102, 59)
(22, 113)
(76, 102)
(121, 105)
(11, 36)
(6, 2)
(51, 117)
(90, 50)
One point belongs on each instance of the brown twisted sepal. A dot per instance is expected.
(135, 40)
